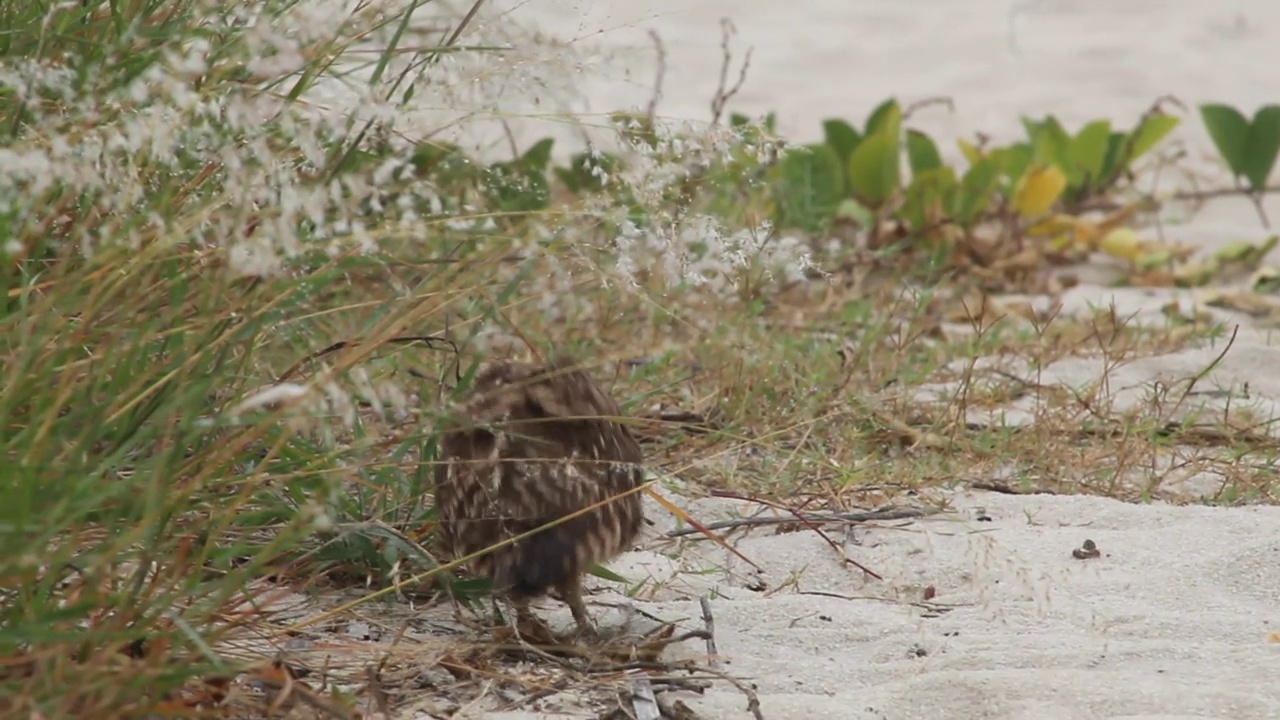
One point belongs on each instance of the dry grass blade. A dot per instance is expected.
(698, 527)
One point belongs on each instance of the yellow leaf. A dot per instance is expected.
(1122, 243)
(1038, 189)
(1088, 234)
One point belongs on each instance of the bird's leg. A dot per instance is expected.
(523, 613)
(528, 626)
(461, 618)
(499, 617)
(571, 592)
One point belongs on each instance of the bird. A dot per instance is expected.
(529, 444)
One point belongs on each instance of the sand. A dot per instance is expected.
(1174, 619)
(994, 58)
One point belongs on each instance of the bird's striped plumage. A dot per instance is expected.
(529, 445)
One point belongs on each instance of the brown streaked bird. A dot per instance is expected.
(528, 446)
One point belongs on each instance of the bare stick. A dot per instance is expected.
(753, 700)
(1213, 364)
(1221, 193)
(930, 606)
(848, 518)
(926, 102)
(1256, 199)
(652, 111)
(677, 710)
(643, 700)
(723, 92)
(373, 683)
(844, 556)
(466, 20)
(710, 622)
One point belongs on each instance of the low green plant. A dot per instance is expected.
(858, 173)
(1092, 160)
(1249, 148)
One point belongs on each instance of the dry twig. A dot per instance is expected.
(724, 93)
(709, 621)
(643, 700)
(651, 112)
(851, 518)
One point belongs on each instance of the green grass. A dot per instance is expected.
(141, 509)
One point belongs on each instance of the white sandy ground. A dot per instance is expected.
(1173, 620)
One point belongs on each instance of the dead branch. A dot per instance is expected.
(643, 700)
(651, 112)
(723, 92)
(709, 622)
(753, 700)
(846, 518)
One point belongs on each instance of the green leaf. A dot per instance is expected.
(922, 153)
(1123, 149)
(930, 193)
(445, 163)
(515, 188)
(1151, 130)
(976, 188)
(586, 169)
(874, 168)
(1051, 145)
(1014, 161)
(1230, 134)
(605, 573)
(537, 158)
(887, 115)
(1263, 146)
(1089, 151)
(1112, 162)
(842, 137)
(969, 150)
(808, 185)
(850, 209)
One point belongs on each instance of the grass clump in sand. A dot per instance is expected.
(181, 221)
(186, 220)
